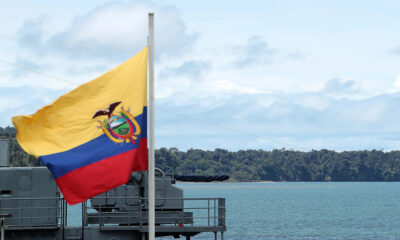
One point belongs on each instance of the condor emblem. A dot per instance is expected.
(119, 128)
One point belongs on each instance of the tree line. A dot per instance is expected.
(260, 165)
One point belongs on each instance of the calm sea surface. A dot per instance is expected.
(303, 210)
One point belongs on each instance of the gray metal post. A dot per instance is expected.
(2, 228)
(221, 211)
(151, 130)
(63, 218)
(83, 219)
(215, 212)
(66, 213)
(208, 212)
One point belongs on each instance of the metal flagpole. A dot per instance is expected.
(151, 130)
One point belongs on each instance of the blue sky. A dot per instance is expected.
(229, 74)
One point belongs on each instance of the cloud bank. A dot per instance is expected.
(114, 30)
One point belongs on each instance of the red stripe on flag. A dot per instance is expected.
(91, 180)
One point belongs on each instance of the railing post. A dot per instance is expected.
(140, 212)
(66, 213)
(208, 200)
(83, 219)
(2, 228)
(62, 217)
(62, 214)
(83, 213)
(215, 212)
(181, 215)
(221, 211)
(1, 224)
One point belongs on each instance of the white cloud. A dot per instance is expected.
(316, 102)
(256, 51)
(301, 121)
(190, 69)
(9, 103)
(24, 101)
(96, 42)
(114, 30)
(397, 83)
(229, 87)
(395, 50)
(337, 85)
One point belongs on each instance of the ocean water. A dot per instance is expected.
(317, 210)
(306, 210)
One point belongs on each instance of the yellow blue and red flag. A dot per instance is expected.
(93, 137)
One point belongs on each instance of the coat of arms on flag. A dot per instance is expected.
(119, 128)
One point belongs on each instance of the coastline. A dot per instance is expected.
(229, 181)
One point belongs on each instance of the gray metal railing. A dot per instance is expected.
(199, 212)
(32, 212)
(174, 212)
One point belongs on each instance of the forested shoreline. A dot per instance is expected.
(260, 165)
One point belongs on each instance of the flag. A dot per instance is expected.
(93, 137)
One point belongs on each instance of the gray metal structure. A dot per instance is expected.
(31, 208)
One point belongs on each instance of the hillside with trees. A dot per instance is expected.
(260, 165)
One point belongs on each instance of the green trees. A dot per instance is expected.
(18, 158)
(286, 165)
(260, 165)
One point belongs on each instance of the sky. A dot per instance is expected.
(236, 75)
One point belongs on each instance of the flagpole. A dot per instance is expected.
(151, 130)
